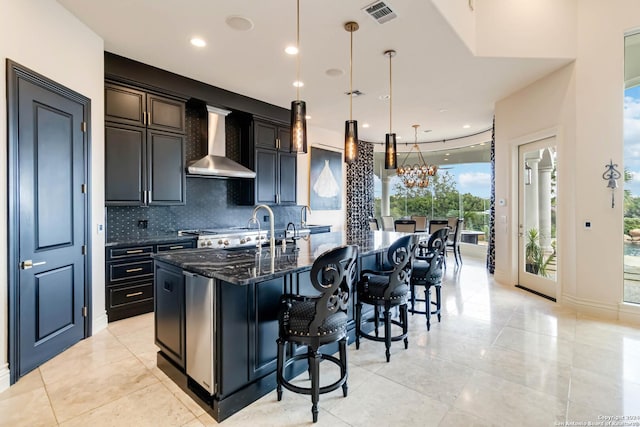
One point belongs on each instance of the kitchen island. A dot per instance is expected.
(216, 313)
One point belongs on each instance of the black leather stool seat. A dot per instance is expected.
(302, 313)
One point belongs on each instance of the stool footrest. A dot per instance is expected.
(307, 390)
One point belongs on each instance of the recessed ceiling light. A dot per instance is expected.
(291, 50)
(427, 130)
(482, 143)
(308, 117)
(298, 83)
(442, 110)
(471, 146)
(446, 154)
(239, 23)
(466, 126)
(198, 42)
(398, 137)
(334, 72)
(365, 125)
(384, 97)
(354, 93)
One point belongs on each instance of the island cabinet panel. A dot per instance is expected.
(264, 305)
(169, 312)
(233, 337)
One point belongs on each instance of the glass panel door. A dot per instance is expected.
(631, 239)
(537, 265)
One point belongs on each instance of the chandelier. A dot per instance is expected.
(418, 174)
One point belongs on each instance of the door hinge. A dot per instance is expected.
(85, 311)
(83, 126)
(83, 187)
(84, 249)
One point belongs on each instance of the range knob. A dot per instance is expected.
(243, 241)
(208, 242)
(220, 242)
(226, 243)
(248, 239)
(203, 244)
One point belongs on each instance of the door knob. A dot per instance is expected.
(25, 265)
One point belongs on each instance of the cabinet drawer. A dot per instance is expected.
(138, 251)
(130, 270)
(119, 296)
(175, 246)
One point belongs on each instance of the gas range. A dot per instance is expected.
(227, 238)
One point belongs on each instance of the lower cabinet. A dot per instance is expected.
(129, 278)
(170, 312)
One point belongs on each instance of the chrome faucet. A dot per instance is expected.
(303, 216)
(272, 239)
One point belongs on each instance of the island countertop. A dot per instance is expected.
(245, 266)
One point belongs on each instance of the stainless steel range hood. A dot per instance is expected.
(215, 164)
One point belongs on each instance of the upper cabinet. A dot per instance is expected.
(130, 106)
(144, 148)
(275, 167)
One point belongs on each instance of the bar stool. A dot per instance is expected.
(318, 320)
(427, 272)
(384, 290)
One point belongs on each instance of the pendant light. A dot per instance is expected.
(351, 126)
(298, 107)
(418, 174)
(390, 152)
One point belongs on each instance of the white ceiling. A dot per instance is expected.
(433, 70)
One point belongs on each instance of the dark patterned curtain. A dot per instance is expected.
(491, 249)
(360, 196)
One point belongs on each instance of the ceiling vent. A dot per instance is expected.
(380, 11)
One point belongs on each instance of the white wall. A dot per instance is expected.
(514, 28)
(43, 36)
(327, 140)
(583, 104)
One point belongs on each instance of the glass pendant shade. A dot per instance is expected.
(298, 127)
(350, 141)
(390, 153)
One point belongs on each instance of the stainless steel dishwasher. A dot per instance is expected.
(200, 330)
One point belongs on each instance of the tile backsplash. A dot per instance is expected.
(207, 207)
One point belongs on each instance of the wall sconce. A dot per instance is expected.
(611, 175)
(527, 176)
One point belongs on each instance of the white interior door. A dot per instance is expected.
(537, 184)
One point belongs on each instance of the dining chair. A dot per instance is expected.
(454, 243)
(373, 224)
(387, 223)
(405, 225)
(421, 222)
(437, 224)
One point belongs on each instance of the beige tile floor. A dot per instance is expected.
(501, 356)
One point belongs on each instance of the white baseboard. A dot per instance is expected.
(99, 322)
(5, 377)
(629, 313)
(502, 277)
(591, 307)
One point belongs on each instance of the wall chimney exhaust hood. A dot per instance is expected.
(215, 164)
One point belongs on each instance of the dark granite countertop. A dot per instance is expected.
(147, 238)
(245, 266)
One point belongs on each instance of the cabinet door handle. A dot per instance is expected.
(278, 143)
(135, 294)
(137, 251)
(133, 270)
(176, 247)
